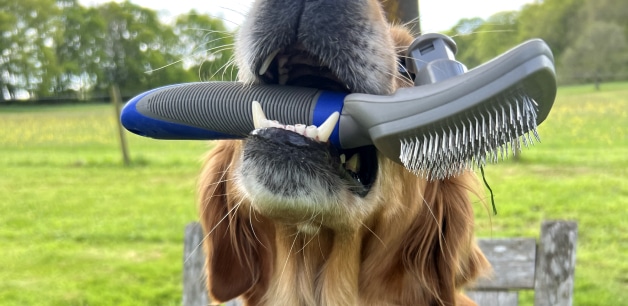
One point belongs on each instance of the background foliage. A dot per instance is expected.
(59, 48)
(587, 37)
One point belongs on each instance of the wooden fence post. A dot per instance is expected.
(194, 279)
(556, 263)
(116, 100)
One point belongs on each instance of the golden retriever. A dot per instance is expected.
(290, 220)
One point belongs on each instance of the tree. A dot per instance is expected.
(79, 48)
(136, 45)
(497, 35)
(481, 40)
(587, 37)
(58, 48)
(598, 54)
(597, 51)
(555, 21)
(610, 11)
(27, 57)
(465, 34)
(205, 47)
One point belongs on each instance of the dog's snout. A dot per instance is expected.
(348, 38)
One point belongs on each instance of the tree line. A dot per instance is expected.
(588, 37)
(61, 49)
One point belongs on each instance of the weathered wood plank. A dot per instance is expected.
(194, 279)
(513, 262)
(494, 298)
(556, 264)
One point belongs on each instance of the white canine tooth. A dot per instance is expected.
(353, 164)
(259, 118)
(325, 129)
(290, 128)
(311, 131)
(267, 62)
(300, 128)
(343, 158)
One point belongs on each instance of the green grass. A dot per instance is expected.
(78, 228)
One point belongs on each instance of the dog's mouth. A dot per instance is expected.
(306, 150)
(294, 66)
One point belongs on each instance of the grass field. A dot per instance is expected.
(78, 228)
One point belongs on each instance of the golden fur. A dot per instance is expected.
(408, 242)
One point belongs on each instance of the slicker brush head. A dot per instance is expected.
(488, 134)
(484, 115)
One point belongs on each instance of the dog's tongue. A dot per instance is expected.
(320, 133)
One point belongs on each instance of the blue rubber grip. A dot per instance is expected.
(329, 102)
(144, 125)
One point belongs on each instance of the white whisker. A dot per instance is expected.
(218, 182)
(478, 32)
(283, 270)
(221, 179)
(313, 235)
(224, 67)
(210, 232)
(252, 228)
(233, 10)
(440, 227)
(229, 33)
(376, 236)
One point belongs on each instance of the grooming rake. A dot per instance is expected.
(450, 121)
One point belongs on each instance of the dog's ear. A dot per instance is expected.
(237, 245)
(439, 247)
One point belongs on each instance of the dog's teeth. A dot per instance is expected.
(353, 164)
(321, 133)
(325, 129)
(343, 159)
(259, 118)
(300, 128)
(277, 124)
(267, 62)
(311, 131)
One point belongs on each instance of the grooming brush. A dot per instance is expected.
(451, 120)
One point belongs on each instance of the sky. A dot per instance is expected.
(436, 15)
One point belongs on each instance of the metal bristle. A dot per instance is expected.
(479, 137)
